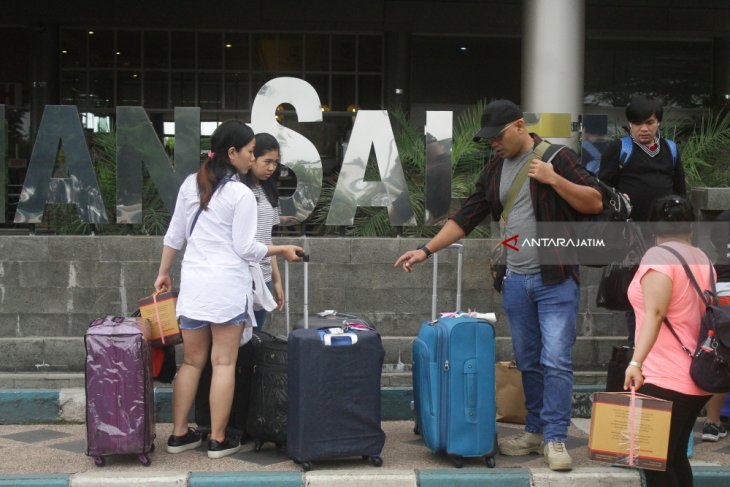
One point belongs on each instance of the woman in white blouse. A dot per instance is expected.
(216, 216)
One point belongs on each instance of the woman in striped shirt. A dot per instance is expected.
(262, 179)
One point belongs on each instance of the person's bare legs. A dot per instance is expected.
(713, 429)
(223, 356)
(714, 406)
(196, 344)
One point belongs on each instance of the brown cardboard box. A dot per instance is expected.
(609, 438)
(166, 332)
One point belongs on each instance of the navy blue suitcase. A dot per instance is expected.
(454, 383)
(334, 394)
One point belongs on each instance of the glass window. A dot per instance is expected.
(321, 84)
(236, 52)
(182, 89)
(73, 48)
(237, 91)
(343, 92)
(258, 80)
(680, 73)
(210, 50)
(370, 53)
(129, 88)
(290, 53)
(370, 92)
(318, 52)
(73, 86)
(210, 90)
(156, 49)
(101, 48)
(343, 53)
(264, 52)
(182, 46)
(129, 49)
(155, 89)
(101, 88)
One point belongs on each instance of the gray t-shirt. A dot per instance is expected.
(521, 220)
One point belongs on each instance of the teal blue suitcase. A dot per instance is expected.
(454, 387)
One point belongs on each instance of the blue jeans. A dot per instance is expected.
(261, 314)
(542, 319)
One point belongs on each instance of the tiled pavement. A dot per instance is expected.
(60, 448)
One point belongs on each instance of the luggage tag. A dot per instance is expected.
(336, 337)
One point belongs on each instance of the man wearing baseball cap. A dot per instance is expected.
(540, 300)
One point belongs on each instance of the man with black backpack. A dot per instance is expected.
(644, 165)
(529, 181)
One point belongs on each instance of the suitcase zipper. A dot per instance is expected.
(444, 392)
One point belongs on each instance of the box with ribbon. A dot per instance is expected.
(159, 310)
(630, 429)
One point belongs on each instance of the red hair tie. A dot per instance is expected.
(211, 154)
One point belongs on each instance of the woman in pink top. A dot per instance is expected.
(659, 366)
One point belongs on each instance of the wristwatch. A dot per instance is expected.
(426, 250)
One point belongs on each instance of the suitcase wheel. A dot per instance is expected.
(416, 429)
(99, 461)
(457, 460)
(491, 462)
(144, 459)
(306, 466)
(257, 446)
(375, 459)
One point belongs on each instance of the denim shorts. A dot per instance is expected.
(191, 324)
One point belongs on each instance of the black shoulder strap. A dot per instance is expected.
(690, 275)
(692, 279)
(551, 151)
(220, 183)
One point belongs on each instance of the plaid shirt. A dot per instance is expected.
(547, 204)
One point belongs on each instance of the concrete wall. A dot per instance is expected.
(51, 287)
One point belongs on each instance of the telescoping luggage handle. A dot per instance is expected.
(459, 262)
(305, 260)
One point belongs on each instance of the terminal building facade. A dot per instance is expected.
(562, 56)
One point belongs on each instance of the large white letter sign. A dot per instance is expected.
(297, 152)
(372, 129)
(60, 128)
(137, 141)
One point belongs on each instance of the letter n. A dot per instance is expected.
(137, 142)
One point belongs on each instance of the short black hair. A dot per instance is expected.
(642, 107)
(671, 215)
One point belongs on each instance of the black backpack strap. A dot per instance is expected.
(690, 275)
(671, 328)
(548, 153)
(220, 183)
(692, 279)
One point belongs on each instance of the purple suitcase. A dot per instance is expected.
(119, 393)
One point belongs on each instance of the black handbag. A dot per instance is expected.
(710, 367)
(616, 370)
(615, 279)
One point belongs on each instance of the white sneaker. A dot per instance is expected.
(557, 457)
(522, 444)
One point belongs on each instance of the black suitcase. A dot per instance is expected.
(241, 395)
(267, 410)
(334, 394)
